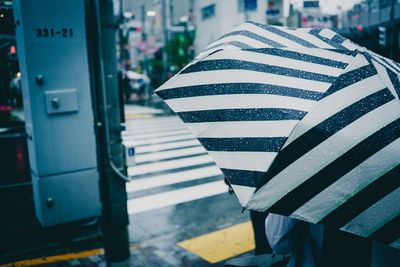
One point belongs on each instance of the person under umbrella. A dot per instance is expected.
(312, 245)
(302, 122)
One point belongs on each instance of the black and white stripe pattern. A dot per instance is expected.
(171, 165)
(302, 122)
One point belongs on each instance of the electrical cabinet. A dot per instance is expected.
(52, 51)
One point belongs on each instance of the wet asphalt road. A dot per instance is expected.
(177, 192)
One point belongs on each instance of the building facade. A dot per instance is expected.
(215, 17)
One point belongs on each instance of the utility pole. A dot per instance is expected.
(102, 47)
(191, 12)
(166, 22)
(245, 11)
(143, 20)
(144, 38)
(393, 33)
(369, 13)
(121, 34)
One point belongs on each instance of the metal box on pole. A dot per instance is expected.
(382, 36)
(52, 48)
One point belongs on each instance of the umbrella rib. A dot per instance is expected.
(351, 77)
(363, 199)
(332, 42)
(326, 129)
(394, 66)
(380, 60)
(339, 40)
(286, 35)
(339, 167)
(389, 232)
(394, 79)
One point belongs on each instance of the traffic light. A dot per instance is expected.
(382, 36)
(12, 53)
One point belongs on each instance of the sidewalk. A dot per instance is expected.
(209, 249)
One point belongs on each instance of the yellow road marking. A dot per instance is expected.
(138, 116)
(58, 258)
(213, 247)
(222, 244)
(52, 259)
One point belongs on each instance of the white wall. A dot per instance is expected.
(227, 16)
(180, 8)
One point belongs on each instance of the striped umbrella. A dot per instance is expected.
(302, 122)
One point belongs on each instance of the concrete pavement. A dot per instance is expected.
(181, 213)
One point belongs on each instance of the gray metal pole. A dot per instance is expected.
(144, 38)
(393, 46)
(246, 11)
(165, 24)
(102, 44)
(121, 34)
(143, 21)
(369, 13)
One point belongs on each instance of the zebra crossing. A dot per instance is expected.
(171, 165)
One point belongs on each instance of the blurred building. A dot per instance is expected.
(9, 68)
(150, 24)
(313, 17)
(370, 13)
(215, 17)
(373, 24)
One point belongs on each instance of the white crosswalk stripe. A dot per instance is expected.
(169, 154)
(172, 178)
(166, 146)
(158, 140)
(175, 197)
(154, 130)
(171, 165)
(156, 134)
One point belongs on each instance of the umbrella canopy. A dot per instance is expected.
(302, 122)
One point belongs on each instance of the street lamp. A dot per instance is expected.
(128, 15)
(151, 13)
(184, 19)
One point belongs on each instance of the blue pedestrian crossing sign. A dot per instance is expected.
(131, 151)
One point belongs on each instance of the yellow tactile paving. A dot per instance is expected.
(222, 244)
(59, 258)
(213, 247)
